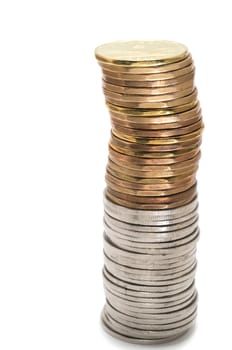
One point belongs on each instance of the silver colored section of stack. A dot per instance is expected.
(149, 272)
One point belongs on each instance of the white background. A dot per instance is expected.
(54, 130)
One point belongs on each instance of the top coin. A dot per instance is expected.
(141, 53)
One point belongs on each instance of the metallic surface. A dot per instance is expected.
(150, 201)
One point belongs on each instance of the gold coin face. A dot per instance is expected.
(141, 52)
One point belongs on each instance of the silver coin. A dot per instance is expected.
(163, 273)
(160, 296)
(135, 340)
(141, 297)
(146, 247)
(153, 227)
(154, 280)
(151, 288)
(161, 254)
(153, 318)
(152, 263)
(143, 334)
(136, 216)
(130, 322)
(144, 276)
(151, 237)
(150, 222)
(150, 308)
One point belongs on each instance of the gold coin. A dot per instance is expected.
(130, 130)
(117, 159)
(148, 90)
(124, 112)
(191, 169)
(175, 198)
(148, 77)
(154, 200)
(141, 53)
(146, 206)
(161, 147)
(157, 183)
(148, 193)
(155, 83)
(148, 98)
(150, 181)
(157, 157)
(147, 70)
(177, 104)
(193, 136)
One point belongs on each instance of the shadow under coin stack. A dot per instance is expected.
(151, 218)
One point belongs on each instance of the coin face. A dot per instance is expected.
(141, 52)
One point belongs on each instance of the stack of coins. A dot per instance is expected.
(151, 219)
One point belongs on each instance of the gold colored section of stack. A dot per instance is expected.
(156, 120)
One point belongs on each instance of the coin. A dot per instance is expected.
(180, 104)
(150, 201)
(149, 77)
(147, 70)
(150, 133)
(148, 90)
(141, 53)
(154, 83)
